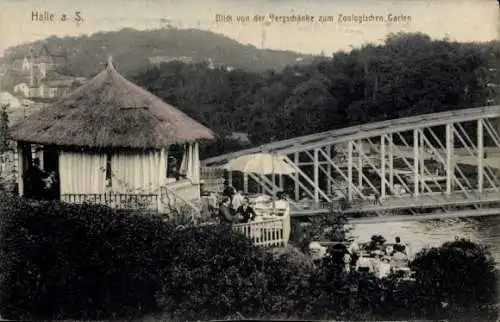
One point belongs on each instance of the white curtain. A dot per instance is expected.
(162, 171)
(186, 164)
(196, 163)
(183, 168)
(191, 162)
(83, 173)
(134, 172)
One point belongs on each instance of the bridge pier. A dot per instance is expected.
(360, 165)
(480, 156)
(422, 168)
(349, 170)
(382, 167)
(316, 175)
(391, 161)
(416, 174)
(450, 169)
(329, 171)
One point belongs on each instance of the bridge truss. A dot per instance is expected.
(444, 162)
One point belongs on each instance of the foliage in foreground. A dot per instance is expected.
(85, 262)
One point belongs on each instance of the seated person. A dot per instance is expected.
(281, 205)
(229, 191)
(399, 247)
(305, 198)
(317, 251)
(237, 200)
(384, 267)
(226, 213)
(347, 259)
(247, 212)
(365, 264)
(399, 260)
(262, 199)
(353, 250)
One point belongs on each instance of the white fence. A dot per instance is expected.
(267, 233)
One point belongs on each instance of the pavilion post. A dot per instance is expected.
(245, 182)
(480, 156)
(162, 180)
(24, 160)
(20, 168)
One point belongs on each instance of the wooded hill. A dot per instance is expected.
(132, 49)
(409, 74)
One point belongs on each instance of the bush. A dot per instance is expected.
(60, 261)
(214, 273)
(288, 271)
(460, 275)
(78, 261)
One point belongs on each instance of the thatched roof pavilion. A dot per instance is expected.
(110, 111)
(109, 127)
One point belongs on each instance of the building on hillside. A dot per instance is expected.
(110, 139)
(48, 88)
(9, 100)
(240, 137)
(39, 76)
(167, 59)
(17, 107)
(44, 61)
(22, 89)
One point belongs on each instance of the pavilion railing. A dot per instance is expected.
(115, 200)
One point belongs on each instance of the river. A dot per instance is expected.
(485, 231)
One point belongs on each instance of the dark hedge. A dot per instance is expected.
(79, 261)
(60, 261)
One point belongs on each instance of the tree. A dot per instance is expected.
(409, 74)
(4, 129)
(461, 273)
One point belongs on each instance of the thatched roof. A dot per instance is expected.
(110, 112)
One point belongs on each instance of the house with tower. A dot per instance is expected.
(40, 79)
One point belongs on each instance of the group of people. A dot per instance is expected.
(40, 184)
(235, 207)
(380, 261)
(385, 259)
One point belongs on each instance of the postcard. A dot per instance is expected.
(249, 160)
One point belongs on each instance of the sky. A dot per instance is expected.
(475, 20)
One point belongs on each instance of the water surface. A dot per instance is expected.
(484, 230)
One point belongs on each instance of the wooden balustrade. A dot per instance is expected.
(266, 233)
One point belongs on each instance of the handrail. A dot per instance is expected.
(368, 129)
(178, 196)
